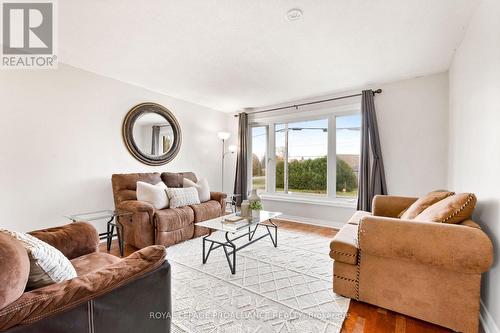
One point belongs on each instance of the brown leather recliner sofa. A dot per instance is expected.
(148, 226)
(109, 294)
(427, 270)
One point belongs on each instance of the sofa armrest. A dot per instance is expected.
(137, 206)
(390, 205)
(73, 240)
(218, 196)
(54, 299)
(221, 198)
(454, 247)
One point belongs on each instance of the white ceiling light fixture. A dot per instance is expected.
(294, 14)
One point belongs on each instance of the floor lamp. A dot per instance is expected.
(231, 149)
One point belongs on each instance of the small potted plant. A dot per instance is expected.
(256, 207)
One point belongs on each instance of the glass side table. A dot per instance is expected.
(232, 202)
(111, 222)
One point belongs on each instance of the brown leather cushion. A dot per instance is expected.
(124, 185)
(454, 209)
(470, 223)
(357, 216)
(176, 179)
(344, 246)
(73, 240)
(206, 210)
(345, 279)
(44, 302)
(93, 262)
(15, 270)
(423, 203)
(174, 218)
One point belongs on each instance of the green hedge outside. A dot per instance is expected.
(311, 175)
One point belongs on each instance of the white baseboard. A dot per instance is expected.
(487, 322)
(313, 221)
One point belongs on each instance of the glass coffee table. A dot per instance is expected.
(235, 231)
(110, 216)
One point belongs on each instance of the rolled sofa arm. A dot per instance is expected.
(43, 302)
(136, 206)
(73, 240)
(221, 198)
(390, 205)
(450, 246)
(218, 196)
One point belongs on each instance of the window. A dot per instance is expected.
(301, 157)
(280, 157)
(316, 156)
(348, 140)
(259, 144)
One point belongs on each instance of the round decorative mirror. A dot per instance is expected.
(152, 134)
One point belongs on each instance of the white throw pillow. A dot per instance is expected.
(154, 194)
(180, 197)
(201, 187)
(47, 264)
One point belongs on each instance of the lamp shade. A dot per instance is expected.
(232, 148)
(223, 135)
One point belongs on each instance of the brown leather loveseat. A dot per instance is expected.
(109, 294)
(427, 266)
(148, 226)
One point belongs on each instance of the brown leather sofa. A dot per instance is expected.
(427, 270)
(109, 294)
(169, 226)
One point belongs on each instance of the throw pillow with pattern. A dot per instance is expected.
(180, 197)
(47, 264)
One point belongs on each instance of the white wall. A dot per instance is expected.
(413, 123)
(474, 156)
(60, 142)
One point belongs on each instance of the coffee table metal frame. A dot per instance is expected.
(230, 247)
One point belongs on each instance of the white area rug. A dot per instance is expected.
(283, 289)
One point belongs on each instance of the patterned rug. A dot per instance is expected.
(283, 289)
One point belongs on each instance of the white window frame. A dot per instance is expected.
(270, 123)
(250, 157)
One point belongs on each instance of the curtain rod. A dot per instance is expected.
(378, 91)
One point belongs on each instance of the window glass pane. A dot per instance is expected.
(348, 135)
(307, 157)
(280, 157)
(301, 157)
(259, 147)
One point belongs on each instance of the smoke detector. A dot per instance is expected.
(294, 14)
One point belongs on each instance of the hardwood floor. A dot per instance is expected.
(361, 317)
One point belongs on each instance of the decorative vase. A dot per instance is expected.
(245, 209)
(253, 197)
(255, 213)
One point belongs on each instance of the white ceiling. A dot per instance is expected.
(232, 54)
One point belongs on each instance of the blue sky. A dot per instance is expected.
(312, 142)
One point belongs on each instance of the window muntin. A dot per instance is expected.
(258, 161)
(348, 138)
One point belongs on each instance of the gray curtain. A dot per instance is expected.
(155, 140)
(371, 167)
(240, 182)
